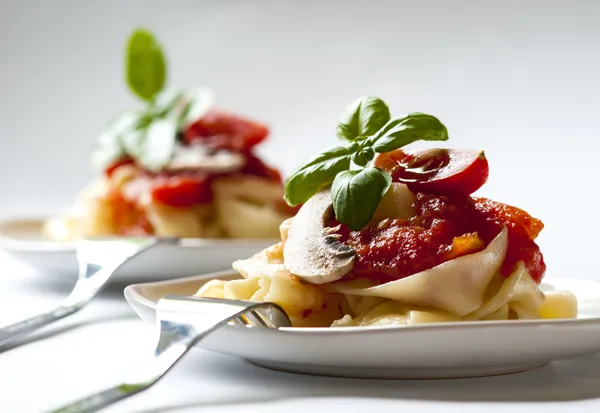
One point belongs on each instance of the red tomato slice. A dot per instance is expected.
(222, 130)
(182, 191)
(437, 171)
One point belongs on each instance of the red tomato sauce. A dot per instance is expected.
(127, 218)
(444, 228)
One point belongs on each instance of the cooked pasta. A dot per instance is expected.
(243, 207)
(264, 278)
(198, 179)
(390, 236)
(467, 288)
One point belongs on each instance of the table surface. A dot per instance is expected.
(93, 349)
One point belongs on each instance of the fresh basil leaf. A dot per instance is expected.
(316, 174)
(363, 156)
(108, 147)
(402, 131)
(356, 195)
(363, 117)
(145, 65)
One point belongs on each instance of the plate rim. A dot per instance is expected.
(10, 243)
(132, 295)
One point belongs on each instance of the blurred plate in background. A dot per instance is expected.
(24, 241)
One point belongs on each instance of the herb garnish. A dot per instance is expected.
(149, 134)
(357, 188)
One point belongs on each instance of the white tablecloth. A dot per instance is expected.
(99, 345)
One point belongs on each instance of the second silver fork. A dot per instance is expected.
(98, 259)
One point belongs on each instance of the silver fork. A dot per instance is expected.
(182, 322)
(98, 259)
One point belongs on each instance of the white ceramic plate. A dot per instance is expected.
(24, 240)
(446, 350)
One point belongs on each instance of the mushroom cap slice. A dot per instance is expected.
(312, 251)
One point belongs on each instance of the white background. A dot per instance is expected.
(518, 79)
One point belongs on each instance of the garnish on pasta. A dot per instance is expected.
(177, 166)
(391, 236)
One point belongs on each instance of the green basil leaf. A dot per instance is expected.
(402, 131)
(363, 117)
(145, 65)
(356, 195)
(317, 173)
(363, 156)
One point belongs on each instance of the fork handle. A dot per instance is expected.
(22, 328)
(97, 401)
(183, 321)
(175, 340)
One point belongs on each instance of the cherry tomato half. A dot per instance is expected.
(182, 191)
(437, 171)
(221, 130)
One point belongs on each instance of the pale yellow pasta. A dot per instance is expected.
(559, 304)
(193, 222)
(275, 284)
(385, 313)
(518, 293)
(243, 207)
(91, 215)
(265, 278)
(212, 289)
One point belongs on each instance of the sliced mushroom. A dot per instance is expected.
(197, 156)
(312, 251)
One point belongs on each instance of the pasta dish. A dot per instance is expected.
(176, 167)
(425, 251)
(214, 186)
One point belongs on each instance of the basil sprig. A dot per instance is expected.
(362, 118)
(145, 65)
(357, 188)
(149, 134)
